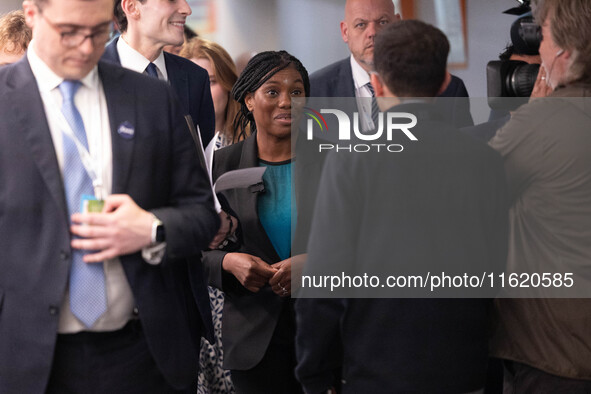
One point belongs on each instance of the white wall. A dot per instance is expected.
(309, 29)
(314, 34)
(10, 5)
(488, 34)
(247, 25)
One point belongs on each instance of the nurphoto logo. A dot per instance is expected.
(392, 124)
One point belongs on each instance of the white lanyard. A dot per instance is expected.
(92, 167)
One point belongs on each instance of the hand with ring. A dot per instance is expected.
(281, 281)
(541, 87)
(283, 289)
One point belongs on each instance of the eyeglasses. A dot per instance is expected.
(75, 38)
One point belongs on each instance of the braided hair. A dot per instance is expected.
(258, 71)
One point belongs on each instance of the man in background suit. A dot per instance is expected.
(438, 205)
(147, 26)
(112, 301)
(350, 77)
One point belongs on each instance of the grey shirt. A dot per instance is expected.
(546, 147)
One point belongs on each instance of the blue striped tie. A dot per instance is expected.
(88, 300)
(375, 110)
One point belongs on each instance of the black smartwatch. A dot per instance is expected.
(158, 233)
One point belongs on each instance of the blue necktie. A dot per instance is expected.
(152, 70)
(88, 300)
(375, 110)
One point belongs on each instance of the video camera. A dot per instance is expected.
(514, 78)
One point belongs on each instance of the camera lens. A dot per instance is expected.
(521, 79)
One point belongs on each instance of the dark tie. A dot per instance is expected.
(375, 110)
(152, 70)
(88, 300)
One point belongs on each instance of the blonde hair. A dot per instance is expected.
(15, 35)
(225, 74)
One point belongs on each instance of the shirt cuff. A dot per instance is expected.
(154, 254)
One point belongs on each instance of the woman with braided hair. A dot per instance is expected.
(258, 321)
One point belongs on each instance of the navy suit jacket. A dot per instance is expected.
(336, 80)
(158, 168)
(191, 84)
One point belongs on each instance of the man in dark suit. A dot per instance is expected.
(350, 77)
(111, 301)
(437, 205)
(146, 28)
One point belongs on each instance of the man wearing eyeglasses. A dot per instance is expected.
(103, 214)
(147, 26)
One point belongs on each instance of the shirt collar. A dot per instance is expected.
(47, 80)
(360, 76)
(133, 60)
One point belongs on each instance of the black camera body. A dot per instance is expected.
(511, 78)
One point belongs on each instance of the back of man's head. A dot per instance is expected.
(411, 58)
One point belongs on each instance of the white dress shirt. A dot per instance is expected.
(92, 105)
(135, 61)
(363, 95)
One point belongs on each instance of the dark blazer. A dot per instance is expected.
(440, 205)
(191, 84)
(158, 168)
(485, 131)
(249, 319)
(336, 80)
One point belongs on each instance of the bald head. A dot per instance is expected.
(363, 19)
(351, 6)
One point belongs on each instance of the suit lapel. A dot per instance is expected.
(120, 112)
(111, 55)
(249, 156)
(179, 80)
(34, 126)
(247, 201)
(346, 85)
